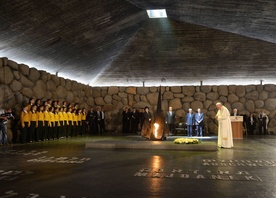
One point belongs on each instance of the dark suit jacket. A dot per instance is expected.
(170, 117)
(190, 119)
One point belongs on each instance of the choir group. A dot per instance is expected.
(52, 120)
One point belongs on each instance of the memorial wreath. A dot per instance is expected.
(186, 141)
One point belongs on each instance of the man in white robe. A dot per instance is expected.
(225, 139)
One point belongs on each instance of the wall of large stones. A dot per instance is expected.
(19, 82)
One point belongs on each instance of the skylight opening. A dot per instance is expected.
(158, 13)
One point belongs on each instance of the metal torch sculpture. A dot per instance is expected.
(159, 128)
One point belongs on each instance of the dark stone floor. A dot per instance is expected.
(65, 168)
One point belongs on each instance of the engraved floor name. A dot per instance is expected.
(12, 193)
(63, 160)
(239, 163)
(10, 175)
(23, 152)
(223, 175)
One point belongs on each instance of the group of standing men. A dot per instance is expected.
(133, 119)
(192, 119)
(251, 122)
(225, 139)
(96, 121)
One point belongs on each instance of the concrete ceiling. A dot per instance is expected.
(104, 42)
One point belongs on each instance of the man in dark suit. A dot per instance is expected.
(251, 123)
(146, 129)
(235, 112)
(90, 117)
(199, 116)
(126, 121)
(170, 119)
(102, 121)
(190, 121)
(141, 118)
(98, 118)
(135, 117)
(263, 121)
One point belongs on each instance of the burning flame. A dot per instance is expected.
(156, 126)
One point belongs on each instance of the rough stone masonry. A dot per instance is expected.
(19, 82)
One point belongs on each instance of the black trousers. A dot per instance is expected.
(24, 132)
(32, 131)
(45, 132)
(39, 131)
(69, 129)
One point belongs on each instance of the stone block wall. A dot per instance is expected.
(18, 83)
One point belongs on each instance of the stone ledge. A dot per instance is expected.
(151, 145)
